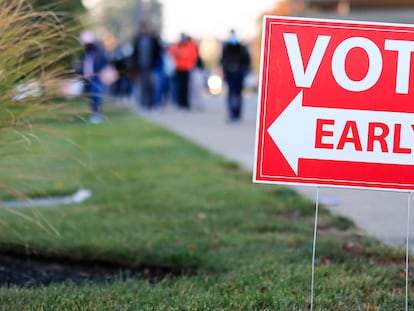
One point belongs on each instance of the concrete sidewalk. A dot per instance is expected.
(382, 214)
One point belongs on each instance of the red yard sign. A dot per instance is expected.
(336, 104)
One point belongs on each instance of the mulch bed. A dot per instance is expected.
(23, 271)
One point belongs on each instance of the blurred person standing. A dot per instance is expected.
(169, 95)
(122, 88)
(235, 64)
(93, 62)
(185, 54)
(197, 85)
(145, 59)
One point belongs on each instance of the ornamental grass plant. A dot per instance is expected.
(33, 50)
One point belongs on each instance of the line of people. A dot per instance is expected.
(153, 73)
(161, 72)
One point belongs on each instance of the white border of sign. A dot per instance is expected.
(259, 107)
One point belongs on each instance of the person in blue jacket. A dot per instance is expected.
(93, 61)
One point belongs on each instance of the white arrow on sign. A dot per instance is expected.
(294, 132)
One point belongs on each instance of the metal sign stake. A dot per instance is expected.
(314, 247)
(407, 251)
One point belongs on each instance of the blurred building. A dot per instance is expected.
(396, 11)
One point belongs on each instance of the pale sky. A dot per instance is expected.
(213, 18)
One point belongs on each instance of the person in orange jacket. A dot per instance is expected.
(185, 54)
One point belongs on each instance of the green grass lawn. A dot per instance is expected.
(158, 200)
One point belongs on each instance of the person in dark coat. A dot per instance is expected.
(235, 64)
(147, 54)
